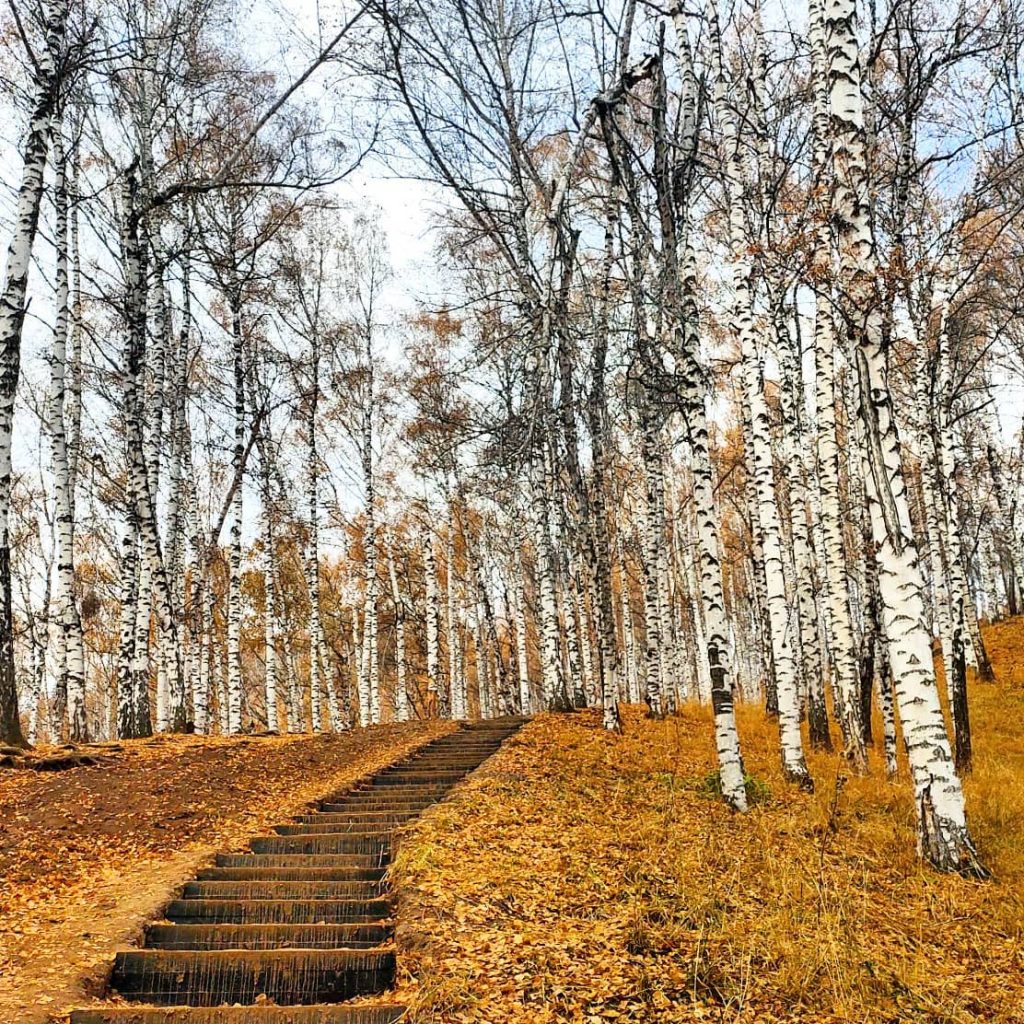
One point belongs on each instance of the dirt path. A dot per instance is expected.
(87, 855)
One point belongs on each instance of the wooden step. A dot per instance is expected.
(408, 778)
(212, 977)
(303, 828)
(373, 816)
(306, 860)
(277, 911)
(454, 758)
(241, 1015)
(412, 794)
(375, 803)
(411, 798)
(280, 889)
(267, 936)
(446, 755)
(290, 874)
(371, 844)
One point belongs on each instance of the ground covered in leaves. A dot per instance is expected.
(588, 877)
(90, 853)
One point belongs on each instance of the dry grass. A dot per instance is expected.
(586, 877)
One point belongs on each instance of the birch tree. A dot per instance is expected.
(943, 836)
(47, 65)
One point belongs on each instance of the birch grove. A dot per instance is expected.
(698, 396)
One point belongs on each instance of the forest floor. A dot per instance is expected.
(586, 877)
(88, 855)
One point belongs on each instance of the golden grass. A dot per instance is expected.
(587, 877)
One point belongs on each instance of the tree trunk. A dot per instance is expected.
(12, 319)
(455, 703)
(234, 624)
(370, 631)
(552, 686)
(522, 653)
(150, 555)
(630, 673)
(270, 670)
(653, 545)
(179, 437)
(1012, 541)
(760, 456)
(943, 837)
(791, 396)
(70, 648)
(401, 667)
(433, 613)
(313, 545)
(609, 662)
(837, 586)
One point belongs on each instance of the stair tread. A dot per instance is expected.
(283, 860)
(384, 1014)
(267, 936)
(277, 911)
(283, 976)
(296, 873)
(280, 889)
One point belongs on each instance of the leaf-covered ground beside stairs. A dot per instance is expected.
(89, 854)
(587, 877)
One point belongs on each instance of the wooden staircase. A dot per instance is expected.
(290, 930)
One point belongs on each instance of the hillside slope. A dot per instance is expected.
(588, 877)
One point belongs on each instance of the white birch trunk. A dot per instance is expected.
(579, 600)
(519, 622)
(552, 686)
(837, 589)
(270, 596)
(199, 619)
(158, 591)
(170, 659)
(716, 649)
(791, 396)
(653, 543)
(782, 624)
(433, 613)
(631, 681)
(453, 705)
(359, 666)
(12, 319)
(317, 645)
(234, 616)
(960, 605)
(689, 560)
(370, 630)
(70, 652)
(1012, 540)
(401, 667)
(483, 683)
(943, 836)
